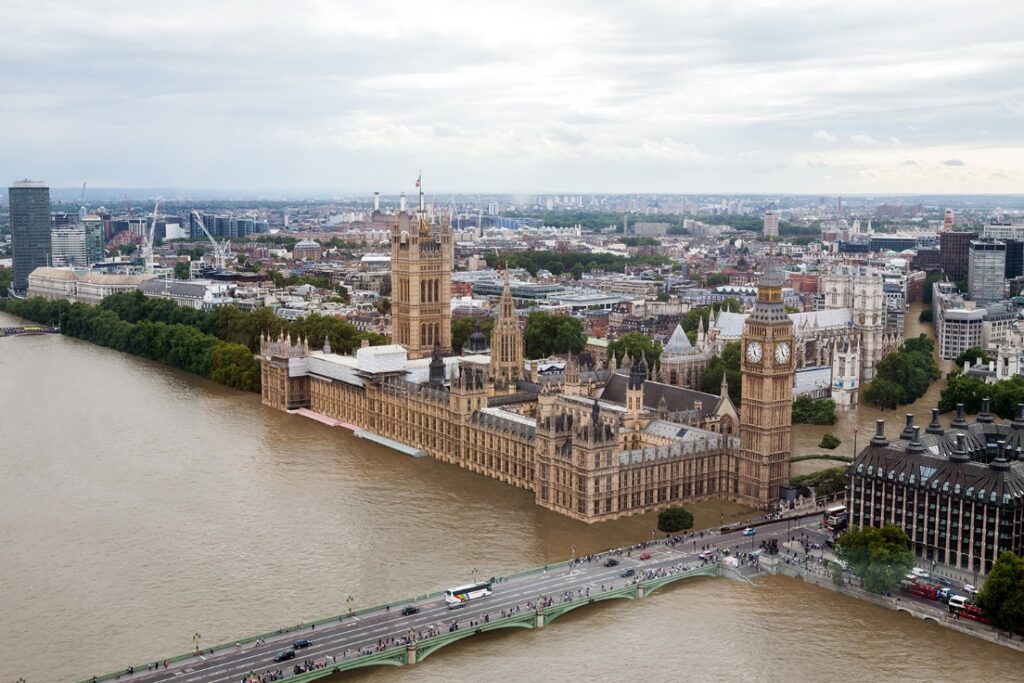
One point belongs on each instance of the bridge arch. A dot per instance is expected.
(427, 647)
(555, 611)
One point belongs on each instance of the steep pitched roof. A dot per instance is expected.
(678, 344)
(678, 399)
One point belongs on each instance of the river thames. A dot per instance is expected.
(140, 505)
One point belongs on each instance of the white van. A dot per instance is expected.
(919, 573)
(957, 602)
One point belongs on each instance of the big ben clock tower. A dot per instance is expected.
(766, 408)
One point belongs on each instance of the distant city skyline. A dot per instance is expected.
(810, 97)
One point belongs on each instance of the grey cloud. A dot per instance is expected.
(953, 162)
(629, 88)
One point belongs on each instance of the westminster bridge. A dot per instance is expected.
(409, 631)
(28, 329)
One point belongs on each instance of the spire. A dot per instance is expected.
(437, 368)
(724, 389)
(327, 343)
(637, 374)
(572, 368)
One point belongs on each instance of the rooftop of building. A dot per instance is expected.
(677, 399)
(981, 460)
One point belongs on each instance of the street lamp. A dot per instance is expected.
(195, 640)
(474, 574)
(573, 549)
(348, 601)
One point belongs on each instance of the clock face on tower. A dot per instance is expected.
(754, 352)
(782, 353)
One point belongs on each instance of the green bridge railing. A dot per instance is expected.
(426, 646)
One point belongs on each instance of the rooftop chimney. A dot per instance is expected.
(908, 428)
(960, 455)
(985, 416)
(959, 422)
(915, 443)
(376, 201)
(879, 438)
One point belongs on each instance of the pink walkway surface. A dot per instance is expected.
(323, 419)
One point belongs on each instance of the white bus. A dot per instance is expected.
(835, 518)
(457, 597)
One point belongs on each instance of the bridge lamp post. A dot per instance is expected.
(195, 641)
(348, 601)
(573, 549)
(474, 574)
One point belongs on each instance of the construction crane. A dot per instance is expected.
(221, 251)
(147, 241)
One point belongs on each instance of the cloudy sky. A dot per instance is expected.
(523, 96)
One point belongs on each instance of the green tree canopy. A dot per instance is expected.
(463, 327)
(884, 394)
(728, 366)
(829, 441)
(904, 376)
(1002, 596)
(548, 334)
(716, 279)
(973, 354)
(814, 411)
(825, 482)
(880, 557)
(6, 278)
(181, 270)
(963, 389)
(635, 345)
(671, 520)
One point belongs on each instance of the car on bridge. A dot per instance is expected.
(410, 610)
(645, 556)
(284, 655)
(705, 554)
(749, 531)
(302, 644)
(626, 573)
(611, 562)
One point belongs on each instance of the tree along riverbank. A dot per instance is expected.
(179, 345)
(218, 345)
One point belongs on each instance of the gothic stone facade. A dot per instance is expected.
(588, 458)
(421, 287)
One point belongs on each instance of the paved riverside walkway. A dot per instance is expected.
(384, 636)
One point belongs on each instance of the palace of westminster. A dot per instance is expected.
(592, 443)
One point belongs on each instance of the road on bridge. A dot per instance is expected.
(352, 636)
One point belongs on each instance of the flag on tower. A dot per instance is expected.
(419, 178)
